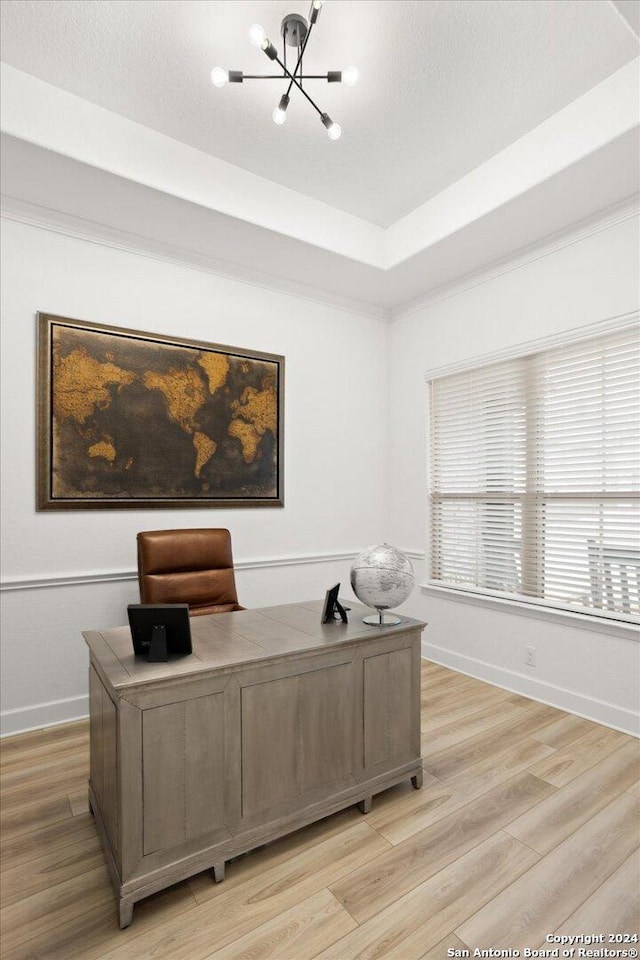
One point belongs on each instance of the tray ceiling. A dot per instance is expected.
(444, 86)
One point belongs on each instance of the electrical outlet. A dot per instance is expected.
(530, 656)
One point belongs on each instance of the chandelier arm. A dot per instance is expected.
(299, 63)
(280, 76)
(294, 81)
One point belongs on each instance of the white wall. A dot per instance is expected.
(594, 674)
(354, 453)
(335, 427)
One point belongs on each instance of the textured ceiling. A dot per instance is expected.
(444, 84)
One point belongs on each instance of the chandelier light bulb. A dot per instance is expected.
(350, 76)
(314, 12)
(280, 112)
(257, 36)
(333, 129)
(219, 77)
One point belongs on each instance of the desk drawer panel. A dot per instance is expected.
(388, 699)
(326, 724)
(183, 771)
(269, 744)
(296, 737)
(104, 779)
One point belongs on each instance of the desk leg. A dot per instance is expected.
(366, 804)
(126, 911)
(417, 780)
(218, 872)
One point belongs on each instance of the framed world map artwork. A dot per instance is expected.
(131, 419)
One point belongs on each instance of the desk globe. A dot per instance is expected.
(382, 577)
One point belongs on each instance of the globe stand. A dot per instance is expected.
(382, 619)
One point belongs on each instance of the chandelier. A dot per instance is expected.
(295, 31)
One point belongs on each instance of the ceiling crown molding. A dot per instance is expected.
(590, 226)
(118, 179)
(602, 115)
(40, 113)
(629, 13)
(92, 231)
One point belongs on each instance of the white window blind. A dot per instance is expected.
(535, 477)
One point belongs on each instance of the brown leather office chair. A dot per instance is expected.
(188, 566)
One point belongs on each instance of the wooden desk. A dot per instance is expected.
(274, 721)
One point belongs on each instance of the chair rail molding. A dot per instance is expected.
(118, 576)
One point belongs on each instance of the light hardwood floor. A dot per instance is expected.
(527, 825)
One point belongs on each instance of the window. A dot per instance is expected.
(535, 477)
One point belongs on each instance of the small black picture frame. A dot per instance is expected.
(333, 610)
(159, 631)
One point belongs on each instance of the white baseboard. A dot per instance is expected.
(51, 713)
(43, 715)
(56, 712)
(588, 707)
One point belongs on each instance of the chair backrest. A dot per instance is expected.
(188, 566)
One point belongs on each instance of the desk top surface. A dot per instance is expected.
(243, 637)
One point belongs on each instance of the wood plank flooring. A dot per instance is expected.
(528, 824)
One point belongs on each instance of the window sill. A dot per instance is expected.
(629, 631)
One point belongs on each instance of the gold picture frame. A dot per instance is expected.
(130, 419)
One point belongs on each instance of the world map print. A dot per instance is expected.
(133, 418)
